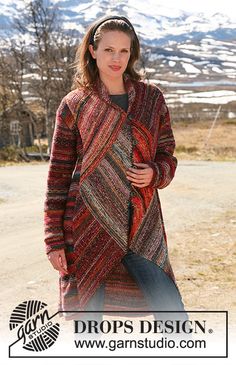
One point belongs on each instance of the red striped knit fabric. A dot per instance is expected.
(88, 195)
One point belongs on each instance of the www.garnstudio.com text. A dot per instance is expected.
(163, 343)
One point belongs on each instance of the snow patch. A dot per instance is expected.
(208, 97)
(190, 68)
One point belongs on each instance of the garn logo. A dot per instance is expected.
(34, 326)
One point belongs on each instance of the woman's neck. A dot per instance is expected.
(114, 86)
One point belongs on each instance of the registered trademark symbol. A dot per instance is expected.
(210, 330)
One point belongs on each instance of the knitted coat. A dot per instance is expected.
(88, 194)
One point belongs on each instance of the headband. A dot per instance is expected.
(91, 41)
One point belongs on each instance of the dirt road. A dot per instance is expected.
(199, 212)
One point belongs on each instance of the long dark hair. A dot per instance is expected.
(86, 70)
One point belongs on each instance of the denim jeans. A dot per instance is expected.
(159, 290)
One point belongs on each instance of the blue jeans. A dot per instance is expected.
(159, 290)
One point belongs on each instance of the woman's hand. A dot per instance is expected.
(58, 260)
(141, 176)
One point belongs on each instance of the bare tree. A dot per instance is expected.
(50, 51)
(39, 22)
(12, 65)
(35, 66)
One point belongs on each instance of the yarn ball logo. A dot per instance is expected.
(34, 326)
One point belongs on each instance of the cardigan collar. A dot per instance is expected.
(103, 92)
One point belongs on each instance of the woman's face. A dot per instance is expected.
(112, 54)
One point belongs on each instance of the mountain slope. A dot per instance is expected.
(179, 49)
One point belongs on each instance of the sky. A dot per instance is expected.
(208, 7)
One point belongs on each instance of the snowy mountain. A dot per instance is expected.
(180, 49)
(155, 24)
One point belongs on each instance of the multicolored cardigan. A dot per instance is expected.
(88, 195)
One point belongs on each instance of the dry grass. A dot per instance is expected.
(191, 141)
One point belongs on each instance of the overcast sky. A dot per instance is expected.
(206, 6)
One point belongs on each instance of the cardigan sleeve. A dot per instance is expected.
(61, 165)
(165, 163)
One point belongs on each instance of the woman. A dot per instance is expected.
(112, 150)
